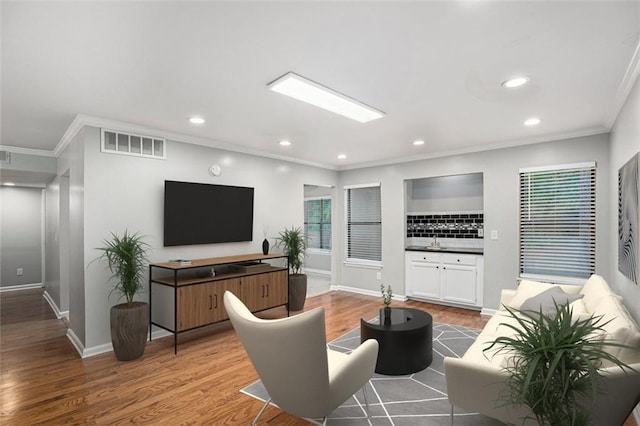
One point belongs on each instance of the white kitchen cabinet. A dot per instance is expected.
(424, 273)
(448, 278)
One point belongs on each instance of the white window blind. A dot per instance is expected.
(317, 223)
(364, 223)
(558, 223)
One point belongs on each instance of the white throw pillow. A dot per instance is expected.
(595, 290)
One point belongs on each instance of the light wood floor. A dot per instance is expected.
(44, 381)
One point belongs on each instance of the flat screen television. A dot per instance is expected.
(199, 213)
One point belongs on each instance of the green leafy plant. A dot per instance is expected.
(554, 365)
(126, 258)
(294, 244)
(387, 294)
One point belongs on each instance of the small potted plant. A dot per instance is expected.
(387, 295)
(126, 258)
(294, 244)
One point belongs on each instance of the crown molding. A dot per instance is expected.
(27, 151)
(479, 148)
(82, 120)
(629, 79)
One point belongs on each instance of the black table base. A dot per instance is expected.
(405, 339)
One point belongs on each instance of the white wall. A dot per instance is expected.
(71, 166)
(21, 215)
(500, 168)
(625, 143)
(52, 242)
(125, 192)
(445, 194)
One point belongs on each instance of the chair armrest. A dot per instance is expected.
(352, 371)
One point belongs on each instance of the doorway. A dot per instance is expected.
(318, 211)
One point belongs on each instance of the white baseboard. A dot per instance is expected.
(75, 341)
(317, 272)
(106, 347)
(488, 312)
(21, 287)
(59, 314)
(398, 297)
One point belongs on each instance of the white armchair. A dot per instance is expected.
(302, 376)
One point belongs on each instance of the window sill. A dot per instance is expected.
(366, 264)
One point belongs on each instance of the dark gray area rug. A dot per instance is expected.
(416, 399)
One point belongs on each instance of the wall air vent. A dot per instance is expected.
(113, 142)
(5, 157)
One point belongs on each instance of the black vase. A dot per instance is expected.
(265, 246)
(387, 315)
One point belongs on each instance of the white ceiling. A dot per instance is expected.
(435, 68)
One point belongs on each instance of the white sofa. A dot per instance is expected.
(475, 381)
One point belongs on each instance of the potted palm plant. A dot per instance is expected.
(294, 244)
(126, 258)
(554, 364)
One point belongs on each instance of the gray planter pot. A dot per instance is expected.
(129, 329)
(297, 291)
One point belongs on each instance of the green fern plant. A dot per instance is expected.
(555, 364)
(294, 244)
(126, 258)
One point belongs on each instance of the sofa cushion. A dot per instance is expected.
(620, 328)
(546, 301)
(595, 289)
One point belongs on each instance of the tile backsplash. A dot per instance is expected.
(459, 225)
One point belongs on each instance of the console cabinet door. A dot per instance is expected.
(277, 288)
(202, 304)
(232, 285)
(264, 291)
(195, 303)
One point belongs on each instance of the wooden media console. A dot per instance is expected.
(188, 296)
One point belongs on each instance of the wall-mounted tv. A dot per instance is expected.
(199, 213)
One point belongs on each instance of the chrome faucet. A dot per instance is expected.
(435, 242)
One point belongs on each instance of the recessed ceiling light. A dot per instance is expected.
(533, 121)
(418, 142)
(9, 184)
(342, 156)
(284, 142)
(196, 120)
(313, 93)
(515, 82)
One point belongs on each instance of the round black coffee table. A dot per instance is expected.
(405, 337)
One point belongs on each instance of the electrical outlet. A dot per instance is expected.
(19, 272)
(494, 234)
(379, 275)
(480, 232)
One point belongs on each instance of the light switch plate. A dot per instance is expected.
(494, 234)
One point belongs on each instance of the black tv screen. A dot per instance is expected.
(199, 213)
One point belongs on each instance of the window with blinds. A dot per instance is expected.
(317, 223)
(558, 222)
(363, 224)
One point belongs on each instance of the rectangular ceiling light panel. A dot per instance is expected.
(313, 93)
